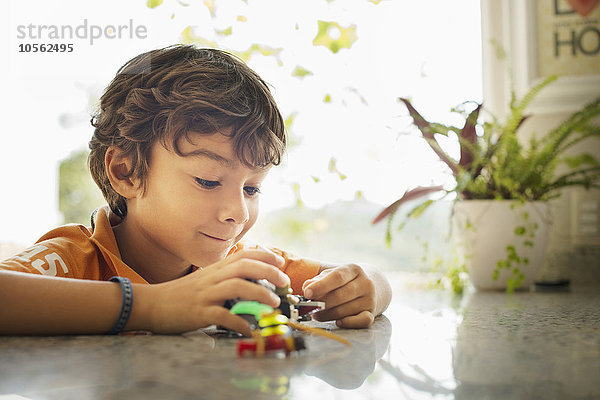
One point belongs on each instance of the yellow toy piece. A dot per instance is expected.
(272, 320)
(282, 330)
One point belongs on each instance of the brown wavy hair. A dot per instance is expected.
(162, 95)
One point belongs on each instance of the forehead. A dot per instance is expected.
(215, 147)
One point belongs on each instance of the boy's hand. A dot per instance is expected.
(196, 301)
(349, 295)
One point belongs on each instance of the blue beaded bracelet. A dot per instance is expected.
(126, 305)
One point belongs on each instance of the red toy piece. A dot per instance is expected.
(271, 343)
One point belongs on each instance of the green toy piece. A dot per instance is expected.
(251, 308)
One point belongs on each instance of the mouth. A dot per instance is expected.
(217, 238)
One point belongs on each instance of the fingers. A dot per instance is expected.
(337, 292)
(353, 307)
(362, 320)
(352, 290)
(349, 295)
(251, 269)
(258, 254)
(237, 287)
(251, 264)
(329, 280)
(228, 320)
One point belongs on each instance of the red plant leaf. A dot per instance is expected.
(424, 127)
(407, 196)
(469, 135)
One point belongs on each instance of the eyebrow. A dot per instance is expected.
(212, 155)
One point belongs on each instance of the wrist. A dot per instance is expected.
(141, 313)
(126, 305)
(383, 292)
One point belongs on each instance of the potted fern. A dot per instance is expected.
(501, 216)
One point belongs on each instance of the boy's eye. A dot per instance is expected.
(251, 190)
(207, 184)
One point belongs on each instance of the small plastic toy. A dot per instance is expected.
(273, 334)
(273, 331)
(296, 308)
(276, 330)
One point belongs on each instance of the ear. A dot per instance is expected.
(118, 167)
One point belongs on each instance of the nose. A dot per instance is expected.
(233, 207)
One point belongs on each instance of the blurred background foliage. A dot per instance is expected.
(78, 195)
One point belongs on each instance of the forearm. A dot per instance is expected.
(40, 305)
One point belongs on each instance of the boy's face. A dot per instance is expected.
(196, 207)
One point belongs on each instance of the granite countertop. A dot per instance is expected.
(428, 344)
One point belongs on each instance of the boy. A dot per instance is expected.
(183, 139)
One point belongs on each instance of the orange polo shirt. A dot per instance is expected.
(76, 251)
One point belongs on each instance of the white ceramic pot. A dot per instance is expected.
(502, 242)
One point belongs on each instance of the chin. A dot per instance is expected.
(208, 259)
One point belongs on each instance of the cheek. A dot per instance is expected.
(253, 210)
(252, 217)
